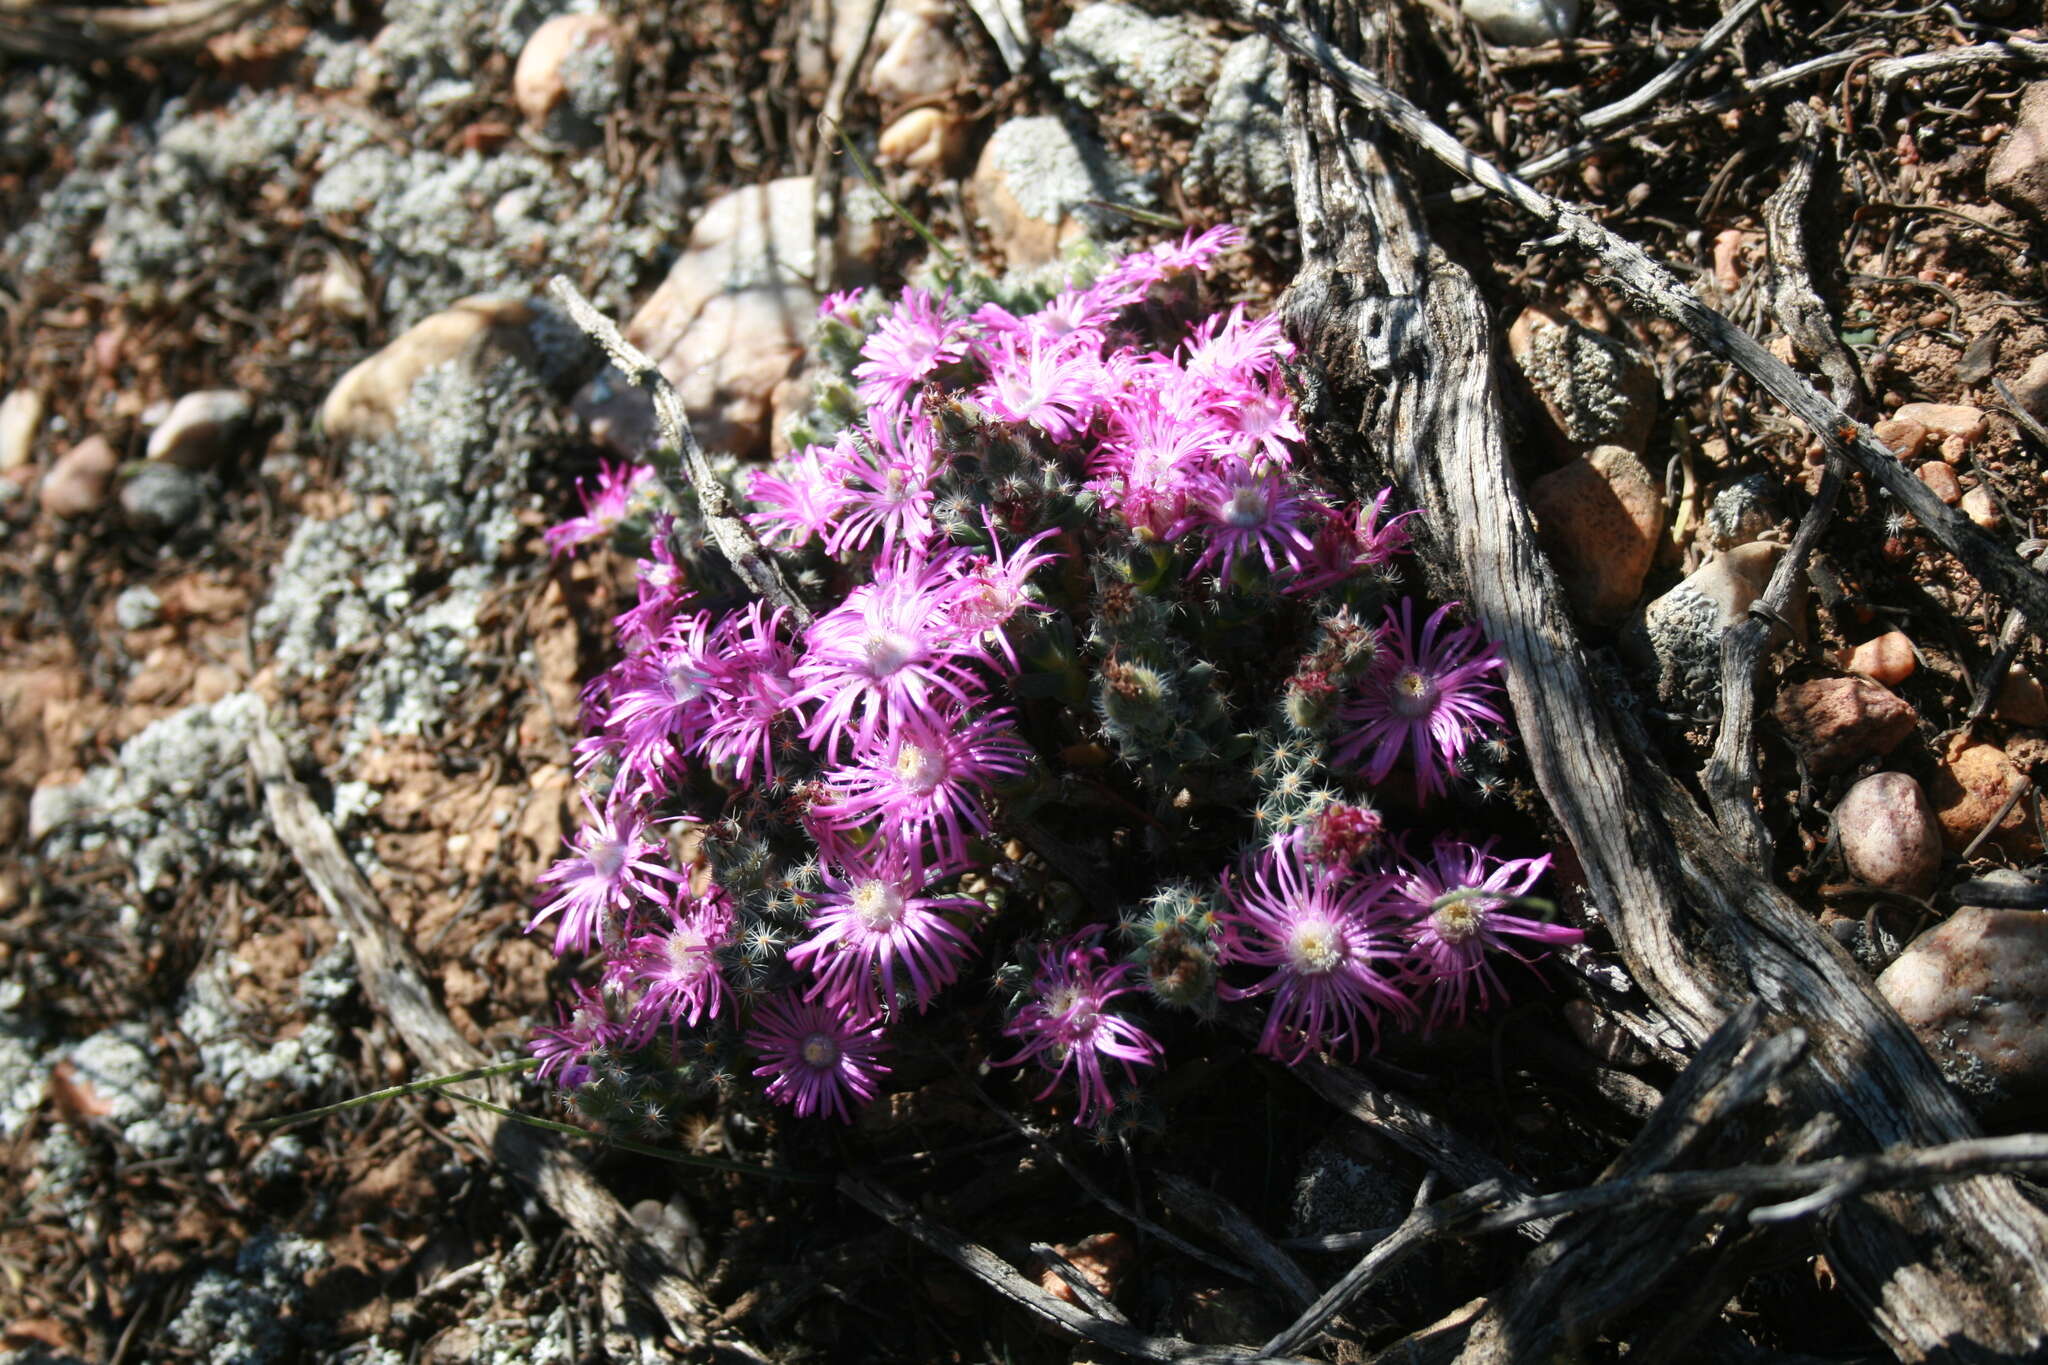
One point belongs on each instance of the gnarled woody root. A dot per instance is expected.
(1403, 339)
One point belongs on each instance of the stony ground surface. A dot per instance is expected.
(207, 525)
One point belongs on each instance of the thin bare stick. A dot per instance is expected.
(824, 170)
(999, 1275)
(1225, 1220)
(1008, 28)
(2012, 50)
(1689, 61)
(78, 33)
(735, 539)
(1654, 288)
(1075, 1279)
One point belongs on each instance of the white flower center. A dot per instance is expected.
(688, 954)
(1315, 947)
(888, 651)
(1412, 695)
(877, 905)
(685, 683)
(608, 859)
(1245, 507)
(919, 769)
(1459, 917)
(820, 1051)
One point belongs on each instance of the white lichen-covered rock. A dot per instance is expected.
(568, 76)
(1678, 636)
(250, 1317)
(1039, 184)
(163, 499)
(283, 1069)
(1168, 61)
(1742, 512)
(114, 1075)
(175, 801)
(1975, 990)
(1240, 154)
(365, 401)
(22, 1072)
(1523, 23)
(1596, 389)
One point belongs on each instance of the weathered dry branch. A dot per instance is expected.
(397, 986)
(735, 539)
(825, 179)
(81, 33)
(1672, 76)
(2012, 50)
(1403, 339)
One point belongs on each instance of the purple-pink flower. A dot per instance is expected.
(603, 509)
(1244, 510)
(564, 1049)
(676, 969)
(657, 703)
(1351, 542)
(748, 667)
(1459, 902)
(911, 344)
(800, 495)
(886, 471)
(992, 588)
(922, 778)
(1331, 943)
(612, 865)
(1425, 698)
(1069, 1027)
(1051, 385)
(817, 1060)
(874, 918)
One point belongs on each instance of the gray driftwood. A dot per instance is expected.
(1405, 346)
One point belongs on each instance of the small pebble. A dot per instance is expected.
(1972, 785)
(1888, 833)
(1835, 721)
(1975, 991)
(1944, 420)
(198, 427)
(2021, 699)
(78, 483)
(1523, 23)
(163, 498)
(568, 68)
(1904, 438)
(1888, 659)
(922, 137)
(138, 608)
(21, 414)
(1941, 481)
(1979, 506)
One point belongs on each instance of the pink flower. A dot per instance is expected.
(1262, 417)
(1243, 510)
(604, 509)
(658, 703)
(1131, 278)
(1459, 902)
(564, 1050)
(874, 918)
(1046, 384)
(1325, 936)
(992, 588)
(802, 496)
(747, 670)
(1068, 1025)
(923, 776)
(676, 970)
(660, 584)
(910, 345)
(611, 866)
(842, 306)
(1425, 697)
(1349, 543)
(887, 477)
(888, 651)
(816, 1059)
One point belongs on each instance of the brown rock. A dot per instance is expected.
(1941, 481)
(2033, 386)
(1944, 421)
(1889, 835)
(198, 428)
(1596, 389)
(1972, 784)
(1979, 506)
(79, 482)
(1904, 438)
(1598, 519)
(1102, 1260)
(917, 55)
(2021, 699)
(2018, 173)
(1889, 659)
(1835, 721)
(365, 401)
(549, 64)
(920, 138)
(1038, 186)
(1975, 991)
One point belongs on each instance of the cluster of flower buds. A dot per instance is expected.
(1088, 634)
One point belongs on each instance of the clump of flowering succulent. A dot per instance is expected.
(1091, 646)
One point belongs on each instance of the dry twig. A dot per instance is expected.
(1672, 76)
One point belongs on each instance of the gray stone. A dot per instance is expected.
(1038, 187)
(1743, 511)
(1240, 155)
(163, 499)
(1596, 388)
(248, 1318)
(1523, 23)
(1678, 637)
(116, 1073)
(1169, 62)
(1975, 990)
(2018, 173)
